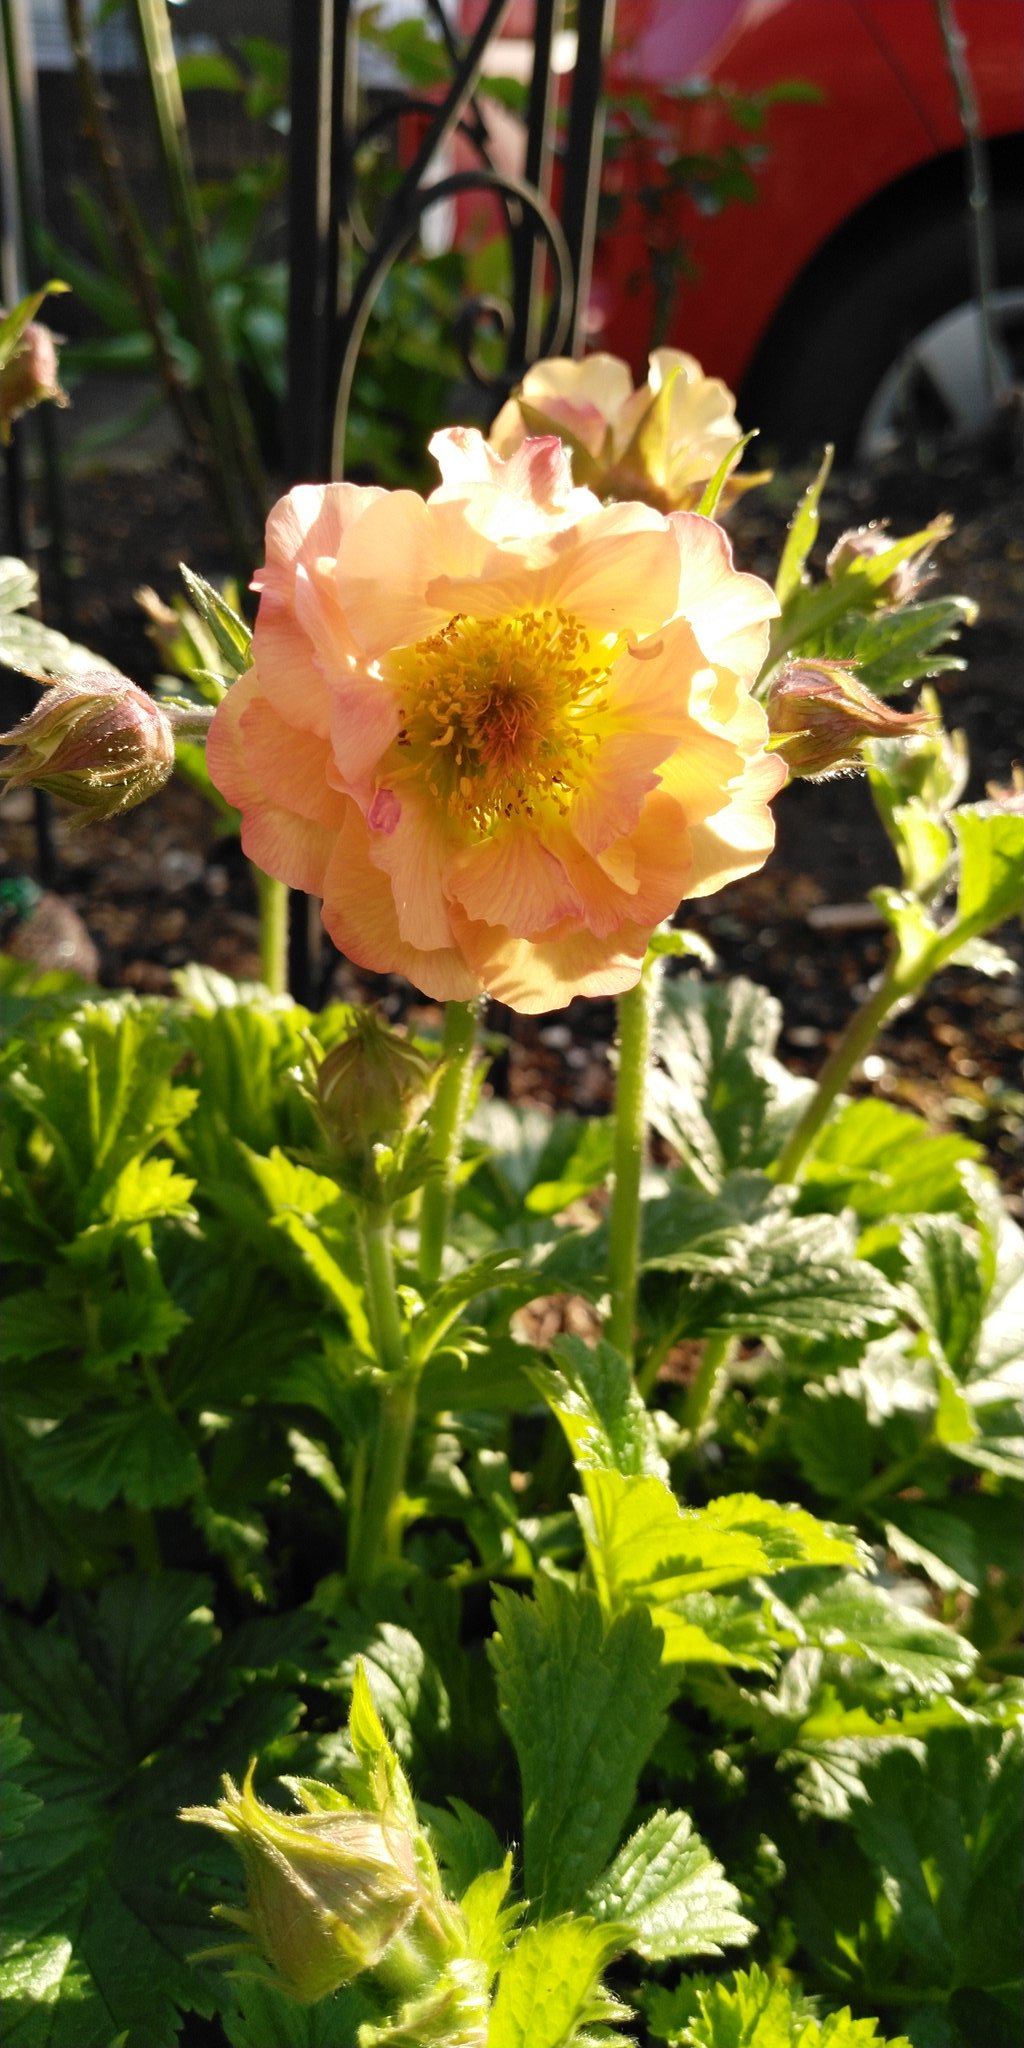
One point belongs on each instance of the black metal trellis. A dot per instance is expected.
(338, 268)
(338, 265)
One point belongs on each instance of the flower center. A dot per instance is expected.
(499, 716)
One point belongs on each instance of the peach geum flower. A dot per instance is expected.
(501, 731)
(659, 443)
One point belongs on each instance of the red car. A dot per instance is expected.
(839, 304)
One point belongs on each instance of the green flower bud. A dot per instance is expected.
(96, 740)
(327, 1892)
(372, 1088)
(820, 715)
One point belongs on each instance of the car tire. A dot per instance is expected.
(873, 344)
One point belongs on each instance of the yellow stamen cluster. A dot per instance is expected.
(500, 715)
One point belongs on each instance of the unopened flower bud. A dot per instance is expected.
(1011, 799)
(819, 715)
(29, 376)
(96, 740)
(868, 542)
(373, 1087)
(327, 1893)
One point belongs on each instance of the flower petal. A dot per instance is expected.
(276, 776)
(537, 977)
(414, 855)
(512, 880)
(616, 571)
(727, 610)
(299, 615)
(359, 913)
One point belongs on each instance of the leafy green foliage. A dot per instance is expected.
(549, 1993)
(748, 2010)
(583, 1702)
(932, 1905)
(666, 1887)
(189, 1372)
(25, 643)
(721, 1098)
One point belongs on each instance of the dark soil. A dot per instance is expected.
(157, 888)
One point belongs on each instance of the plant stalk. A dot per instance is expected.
(637, 1010)
(377, 1536)
(272, 897)
(448, 1119)
(860, 1033)
(705, 1393)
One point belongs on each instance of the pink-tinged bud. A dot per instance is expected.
(1011, 799)
(96, 740)
(868, 542)
(819, 715)
(29, 376)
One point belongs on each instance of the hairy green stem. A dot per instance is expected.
(637, 1010)
(860, 1033)
(377, 1537)
(708, 1386)
(448, 1118)
(273, 908)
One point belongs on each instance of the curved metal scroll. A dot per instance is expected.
(339, 265)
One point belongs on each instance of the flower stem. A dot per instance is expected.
(377, 1537)
(706, 1389)
(448, 1119)
(273, 907)
(637, 1010)
(860, 1033)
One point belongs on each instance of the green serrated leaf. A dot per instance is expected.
(991, 884)
(881, 1161)
(853, 1618)
(135, 1454)
(550, 1988)
(752, 2010)
(935, 1909)
(604, 1418)
(583, 1702)
(17, 1804)
(720, 1098)
(667, 1888)
(645, 1548)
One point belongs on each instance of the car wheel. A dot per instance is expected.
(881, 344)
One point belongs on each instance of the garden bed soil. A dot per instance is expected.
(157, 888)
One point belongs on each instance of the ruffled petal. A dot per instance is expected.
(301, 635)
(364, 720)
(512, 880)
(617, 571)
(359, 913)
(737, 840)
(413, 851)
(537, 977)
(728, 611)
(276, 777)
(384, 565)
